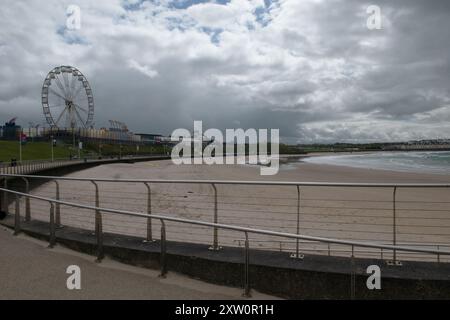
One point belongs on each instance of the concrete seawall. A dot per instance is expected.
(314, 277)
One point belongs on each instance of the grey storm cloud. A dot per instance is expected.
(309, 68)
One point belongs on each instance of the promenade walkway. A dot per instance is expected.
(29, 270)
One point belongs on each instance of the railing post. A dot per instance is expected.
(163, 257)
(394, 228)
(52, 238)
(246, 268)
(27, 200)
(438, 255)
(149, 212)
(352, 276)
(57, 205)
(17, 216)
(297, 255)
(5, 196)
(98, 224)
(215, 245)
(394, 224)
(1, 200)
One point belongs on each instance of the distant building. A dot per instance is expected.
(149, 138)
(10, 131)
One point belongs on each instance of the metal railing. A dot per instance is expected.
(299, 214)
(163, 219)
(30, 166)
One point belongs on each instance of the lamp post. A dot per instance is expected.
(53, 153)
(20, 145)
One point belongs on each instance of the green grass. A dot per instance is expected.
(115, 149)
(34, 151)
(43, 150)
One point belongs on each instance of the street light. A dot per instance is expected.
(52, 142)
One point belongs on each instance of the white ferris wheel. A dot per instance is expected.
(67, 99)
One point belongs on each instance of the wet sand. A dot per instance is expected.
(366, 214)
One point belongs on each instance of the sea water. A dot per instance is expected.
(408, 161)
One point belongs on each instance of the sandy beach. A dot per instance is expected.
(366, 214)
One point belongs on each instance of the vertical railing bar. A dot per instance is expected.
(52, 237)
(352, 275)
(1, 199)
(246, 267)
(163, 260)
(438, 255)
(57, 205)
(17, 216)
(98, 224)
(5, 196)
(27, 200)
(394, 222)
(297, 254)
(298, 221)
(149, 212)
(215, 245)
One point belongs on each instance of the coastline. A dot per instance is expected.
(377, 165)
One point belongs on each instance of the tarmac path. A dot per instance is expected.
(30, 270)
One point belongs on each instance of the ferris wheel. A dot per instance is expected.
(67, 99)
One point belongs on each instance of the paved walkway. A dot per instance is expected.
(29, 270)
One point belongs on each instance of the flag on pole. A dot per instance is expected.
(23, 137)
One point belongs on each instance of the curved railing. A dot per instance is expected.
(214, 183)
(163, 219)
(31, 166)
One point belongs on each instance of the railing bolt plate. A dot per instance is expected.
(394, 263)
(294, 256)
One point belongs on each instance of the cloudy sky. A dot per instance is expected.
(311, 68)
